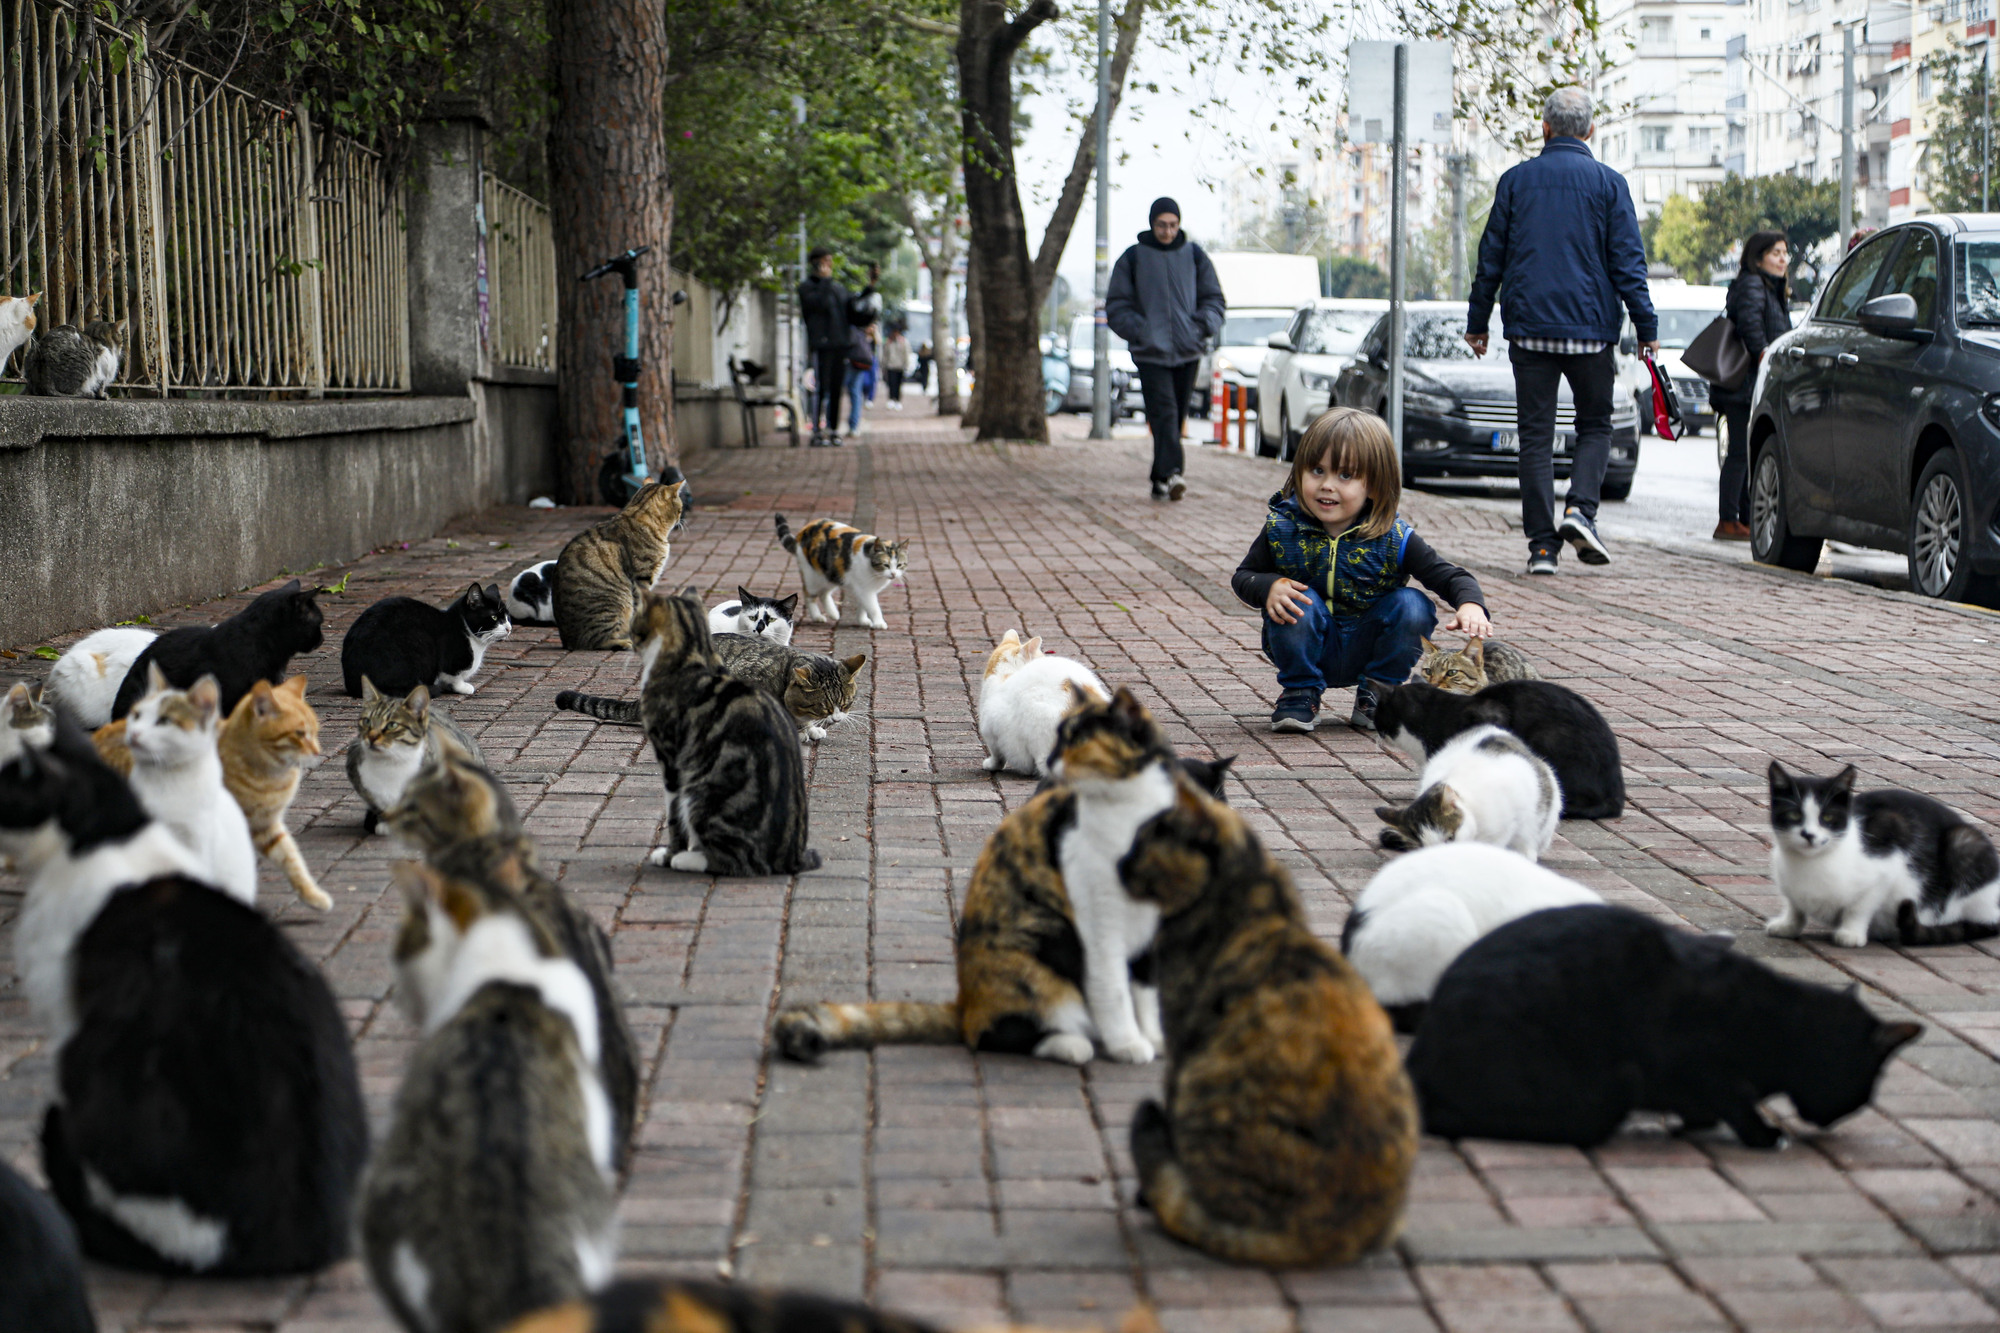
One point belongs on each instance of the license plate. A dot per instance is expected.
(1509, 442)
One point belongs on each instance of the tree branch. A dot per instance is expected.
(921, 24)
(1055, 238)
(1008, 40)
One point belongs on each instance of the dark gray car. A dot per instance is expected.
(1877, 420)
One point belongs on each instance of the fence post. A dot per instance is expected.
(447, 349)
(149, 227)
(312, 285)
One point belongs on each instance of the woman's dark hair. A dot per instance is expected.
(1757, 247)
(819, 252)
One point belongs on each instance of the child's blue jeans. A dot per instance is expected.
(1321, 650)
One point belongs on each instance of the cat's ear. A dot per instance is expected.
(1475, 649)
(416, 881)
(743, 594)
(34, 298)
(1428, 646)
(17, 697)
(296, 685)
(369, 694)
(803, 675)
(1780, 778)
(692, 593)
(262, 702)
(854, 664)
(293, 586)
(1009, 640)
(156, 679)
(1078, 696)
(1032, 648)
(1843, 781)
(418, 701)
(206, 696)
(788, 605)
(1388, 814)
(1892, 1037)
(1126, 704)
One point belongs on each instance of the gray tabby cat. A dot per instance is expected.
(491, 1196)
(67, 362)
(735, 780)
(815, 689)
(1480, 663)
(396, 735)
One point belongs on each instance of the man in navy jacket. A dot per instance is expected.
(1562, 250)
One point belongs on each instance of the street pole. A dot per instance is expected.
(1986, 148)
(1396, 224)
(1846, 136)
(1100, 332)
(799, 325)
(1457, 162)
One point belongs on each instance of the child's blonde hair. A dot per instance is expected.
(1355, 442)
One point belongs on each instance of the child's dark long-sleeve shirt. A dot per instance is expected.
(1260, 569)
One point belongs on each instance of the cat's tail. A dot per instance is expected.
(785, 537)
(1911, 931)
(807, 1031)
(623, 711)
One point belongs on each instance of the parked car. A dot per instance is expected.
(1082, 352)
(1458, 409)
(1684, 311)
(1302, 363)
(1264, 291)
(1877, 420)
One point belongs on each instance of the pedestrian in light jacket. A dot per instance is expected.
(1166, 303)
(1758, 310)
(1562, 251)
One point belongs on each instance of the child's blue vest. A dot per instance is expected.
(1352, 573)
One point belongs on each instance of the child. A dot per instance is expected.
(1330, 571)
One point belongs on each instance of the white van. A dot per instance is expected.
(1684, 312)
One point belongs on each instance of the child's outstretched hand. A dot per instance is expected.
(1470, 620)
(1287, 601)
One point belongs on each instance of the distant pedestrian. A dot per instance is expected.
(860, 375)
(895, 364)
(921, 377)
(1166, 303)
(1562, 250)
(829, 313)
(1759, 310)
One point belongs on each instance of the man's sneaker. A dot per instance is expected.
(1581, 533)
(1159, 490)
(1541, 560)
(1297, 710)
(1363, 716)
(1176, 487)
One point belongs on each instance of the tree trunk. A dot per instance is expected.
(1009, 365)
(943, 342)
(608, 193)
(975, 335)
(1056, 238)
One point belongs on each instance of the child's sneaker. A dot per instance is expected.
(1363, 716)
(1297, 710)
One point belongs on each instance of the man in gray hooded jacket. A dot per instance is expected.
(1166, 303)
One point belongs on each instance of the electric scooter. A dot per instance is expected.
(624, 469)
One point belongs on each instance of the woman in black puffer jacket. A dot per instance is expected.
(1757, 307)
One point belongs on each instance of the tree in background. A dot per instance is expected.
(1348, 275)
(1511, 54)
(1700, 236)
(1954, 161)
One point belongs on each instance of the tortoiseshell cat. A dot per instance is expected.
(1289, 1130)
(681, 1305)
(834, 557)
(1051, 953)
(815, 689)
(1480, 663)
(603, 574)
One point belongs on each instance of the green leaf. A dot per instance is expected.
(47, 653)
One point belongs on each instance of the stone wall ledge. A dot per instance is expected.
(26, 422)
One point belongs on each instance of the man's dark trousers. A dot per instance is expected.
(1167, 391)
(830, 370)
(1592, 380)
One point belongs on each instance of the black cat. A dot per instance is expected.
(1557, 1026)
(1556, 723)
(254, 644)
(209, 1117)
(41, 1273)
(400, 643)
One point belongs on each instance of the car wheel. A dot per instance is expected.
(1616, 490)
(1288, 443)
(1771, 540)
(1939, 527)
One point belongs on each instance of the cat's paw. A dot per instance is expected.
(1786, 925)
(815, 732)
(1068, 1047)
(382, 829)
(993, 763)
(694, 863)
(658, 856)
(1851, 939)
(461, 687)
(314, 897)
(1133, 1050)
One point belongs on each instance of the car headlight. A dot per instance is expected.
(1225, 365)
(1430, 404)
(1317, 383)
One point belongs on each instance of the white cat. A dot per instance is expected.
(17, 323)
(1483, 785)
(177, 776)
(84, 681)
(531, 597)
(1023, 699)
(1423, 910)
(747, 613)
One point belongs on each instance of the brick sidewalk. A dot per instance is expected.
(973, 1188)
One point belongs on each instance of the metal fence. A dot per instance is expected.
(237, 248)
(520, 278)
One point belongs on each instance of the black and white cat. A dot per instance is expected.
(747, 613)
(1556, 723)
(400, 643)
(68, 362)
(41, 1271)
(257, 643)
(1483, 785)
(531, 597)
(1894, 865)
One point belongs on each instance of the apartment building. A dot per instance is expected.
(1934, 29)
(1666, 124)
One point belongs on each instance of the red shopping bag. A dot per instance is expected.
(1666, 403)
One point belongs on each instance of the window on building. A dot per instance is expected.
(1652, 189)
(1653, 138)
(1706, 34)
(1656, 33)
(1924, 80)
(1700, 138)
(1737, 136)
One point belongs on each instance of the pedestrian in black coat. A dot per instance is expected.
(1758, 310)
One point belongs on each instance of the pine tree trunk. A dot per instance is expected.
(1009, 364)
(944, 345)
(608, 194)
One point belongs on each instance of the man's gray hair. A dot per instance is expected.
(1568, 112)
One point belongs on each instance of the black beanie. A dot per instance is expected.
(1162, 205)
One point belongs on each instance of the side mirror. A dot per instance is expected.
(1281, 341)
(1894, 316)
(1629, 344)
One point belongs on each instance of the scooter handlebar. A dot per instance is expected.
(616, 264)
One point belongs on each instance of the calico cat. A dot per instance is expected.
(531, 597)
(390, 747)
(735, 780)
(1556, 723)
(41, 1270)
(256, 643)
(177, 775)
(491, 1196)
(1480, 663)
(1557, 1026)
(1289, 1130)
(748, 613)
(835, 558)
(25, 719)
(460, 817)
(85, 680)
(1211, 775)
(1423, 910)
(1859, 859)
(1022, 699)
(680, 1305)
(17, 324)
(1482, 785)
(208, 1116)
(1050, 950)
(815, 689)
(68, 362)
(401, 643)
(266, 746)
(602, 576)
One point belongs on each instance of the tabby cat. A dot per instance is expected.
(735, 780)
(390, 748)
(1289, 1130)
(1050, 951)
(266, 745)
(25, 720)
(603, 574)
(491, 1196)
(1480, 663)
(834, 558)
(68, 362)
(815, 689)
(676, 1305)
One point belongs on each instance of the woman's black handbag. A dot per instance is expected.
(1718, 355)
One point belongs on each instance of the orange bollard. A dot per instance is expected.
(1242, 418)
